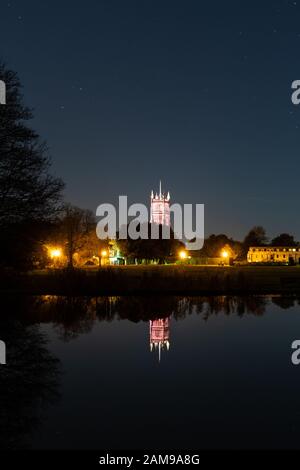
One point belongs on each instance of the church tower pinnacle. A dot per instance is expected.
(160, 207)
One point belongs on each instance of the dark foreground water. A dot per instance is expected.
(80, 373)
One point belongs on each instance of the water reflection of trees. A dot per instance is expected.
(73, 316)
(226, 305)
(285, 302)
(28, 383)
(30, 380)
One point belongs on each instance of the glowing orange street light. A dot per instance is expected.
(225, 254)
(55, 253)
(103, 255)
(183, 255)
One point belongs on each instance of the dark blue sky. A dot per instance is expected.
(195, 93)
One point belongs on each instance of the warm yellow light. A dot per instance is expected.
(104, 253)
(182, 254)
(225, 254)
(55, 253)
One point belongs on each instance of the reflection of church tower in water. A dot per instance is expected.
(160, 208)
(160, 335)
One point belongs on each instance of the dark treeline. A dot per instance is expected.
(256, 237)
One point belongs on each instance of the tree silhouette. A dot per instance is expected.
(284, 239)
(75, 226)
(255, 237)
(29, 195)
(158, 249)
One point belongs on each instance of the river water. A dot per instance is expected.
(149, 373)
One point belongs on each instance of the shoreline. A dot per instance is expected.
(156, 280)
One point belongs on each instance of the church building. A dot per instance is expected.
(160, 208)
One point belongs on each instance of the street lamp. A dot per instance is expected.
(103, 254)
(225, 256)
(55, 253)
(183, 255)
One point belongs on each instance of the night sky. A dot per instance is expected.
(195, 93)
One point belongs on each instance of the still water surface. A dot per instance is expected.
(80, 373)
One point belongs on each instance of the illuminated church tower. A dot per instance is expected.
(159, 335)
(160, 208)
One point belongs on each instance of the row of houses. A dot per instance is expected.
(256, 254)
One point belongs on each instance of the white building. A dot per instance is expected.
(274, 254)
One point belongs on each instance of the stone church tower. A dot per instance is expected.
(160, 208)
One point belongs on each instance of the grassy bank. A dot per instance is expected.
(187, 280)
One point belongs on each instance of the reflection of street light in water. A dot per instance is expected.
(160, 335)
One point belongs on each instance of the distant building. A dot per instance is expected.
(160, 335)
(274, 254)
(115, 256)
(160, 208)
